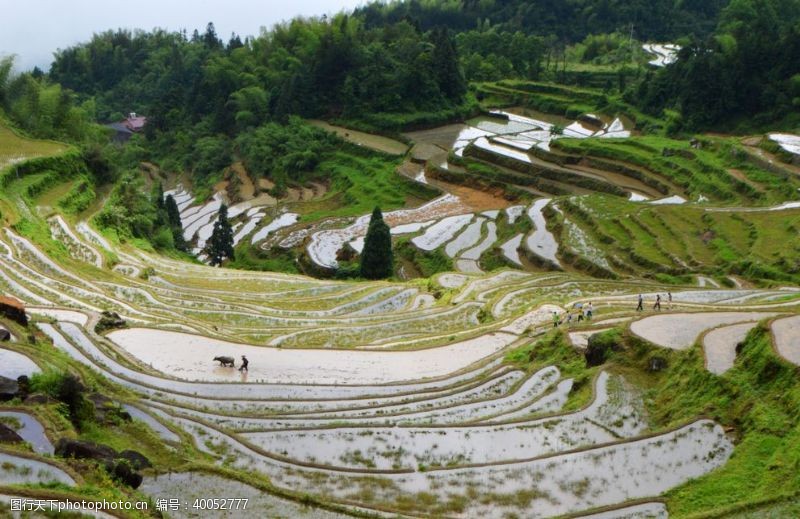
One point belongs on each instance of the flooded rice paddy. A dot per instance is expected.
(429, 418)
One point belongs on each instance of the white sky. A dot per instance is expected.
(34, 29)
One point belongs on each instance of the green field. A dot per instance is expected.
(15, 148)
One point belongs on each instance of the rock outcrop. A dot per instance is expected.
(13, 309)
(109, 321)
(121, 465)
(9, 435)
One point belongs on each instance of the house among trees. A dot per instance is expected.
(134, 123)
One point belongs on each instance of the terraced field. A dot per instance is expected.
(580, 192)
(408, 405)
(15, 149)
(600, 236)
(712, 169)
(664, 54)
(472, 392)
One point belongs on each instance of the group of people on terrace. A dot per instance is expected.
(657, 304)
(577, 313)
(580, 311)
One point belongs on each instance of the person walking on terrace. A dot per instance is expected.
(669, 299)
(657, 306)
(641, 304)
(589, 311)
(245, 362)
(556, 320)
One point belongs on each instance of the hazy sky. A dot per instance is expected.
(34, 29)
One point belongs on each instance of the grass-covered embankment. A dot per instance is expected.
(757, 401)
(667, 241)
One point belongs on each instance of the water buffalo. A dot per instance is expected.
(225, 361)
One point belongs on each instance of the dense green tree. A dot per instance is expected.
(98, 162)
(198, 88)
(446, 68)
(488, 55)
(174, 220)
(6, 64)
(280, 152)
(376, 258)
(220, 245)
(43, 108)
(744, 69)
(158, 197)
(658, 20)
(130, 211)
(211, 155)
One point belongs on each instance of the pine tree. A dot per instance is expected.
(446, 69)
(157, 196)
(376, 258)
(174, 221)
(220, 245)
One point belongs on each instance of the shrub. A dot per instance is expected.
(69, 390)
(600, 345)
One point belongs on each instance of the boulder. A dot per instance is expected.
(598, 347)
(100, 400)
(121, 465)
(107, 410)
(124, 472)
(657, 363)
(37, 399)
(137, 460)
(109, 321)
(13, 309)
(68, 448)
(23, 386)
(8, 389)
(9, 435)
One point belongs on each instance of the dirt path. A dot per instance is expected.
(246, 187)
(375, 142)
(475, 199)
(751, 146)
(739, 175)
(443, 136)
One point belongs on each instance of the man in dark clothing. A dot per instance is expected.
(641, 304)
(244, 364)
(657, 306)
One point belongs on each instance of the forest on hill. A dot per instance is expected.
(750, 67)
(388, 68)
(570, 20)
(407, 64)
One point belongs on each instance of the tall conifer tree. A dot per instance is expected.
(220, 245)
(376, 258)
